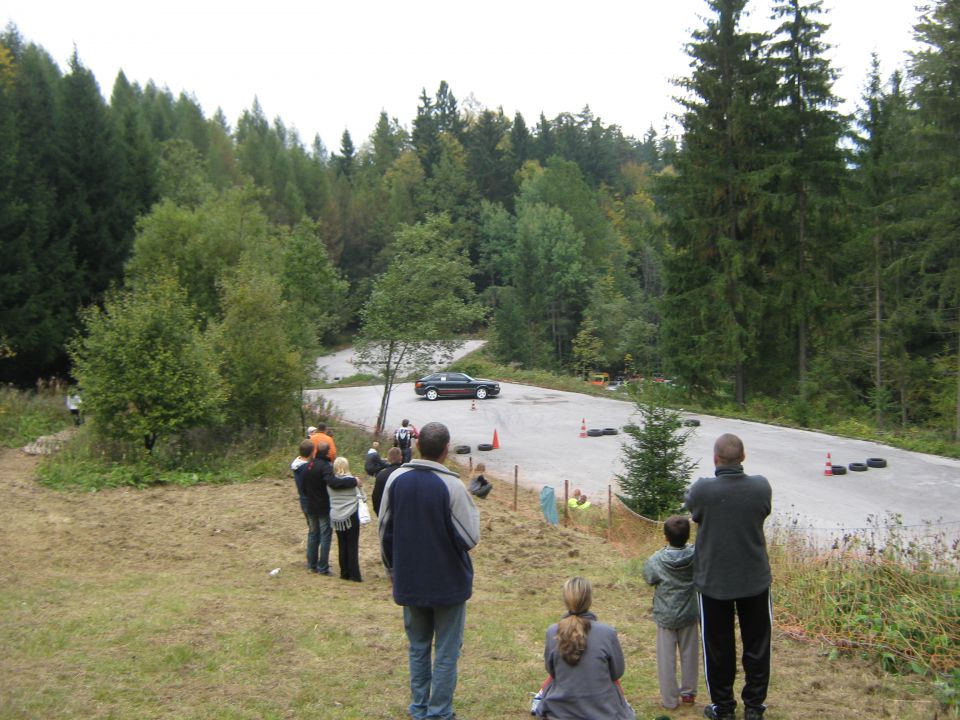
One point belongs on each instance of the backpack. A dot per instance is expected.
(402, 437)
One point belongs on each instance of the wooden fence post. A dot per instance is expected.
(566, 502)
(516, 469)
(609, 513)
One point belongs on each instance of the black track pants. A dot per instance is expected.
(719, 648)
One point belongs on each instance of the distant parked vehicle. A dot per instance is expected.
(454, 384)
(600, 378)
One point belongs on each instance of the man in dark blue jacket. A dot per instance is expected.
(731, 571)
(315, 475)
(428, 524)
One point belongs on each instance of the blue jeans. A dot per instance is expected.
(431, 688)
(319, 537)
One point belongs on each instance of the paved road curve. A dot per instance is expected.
(538, 430)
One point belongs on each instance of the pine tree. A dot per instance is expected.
(657, 470)
(714, 299)
(936, 93)
(808, 165)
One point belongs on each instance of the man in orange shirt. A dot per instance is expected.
(319, 435)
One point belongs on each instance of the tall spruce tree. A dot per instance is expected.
(808, 166)
(714, 301)
(936, 93)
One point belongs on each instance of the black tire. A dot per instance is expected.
(857, 467)
(431, 394)
(594, 432)
(610, 431)
(691, 422)
(485, 446)
(838, 470)
(876, 462)
(462, 449)
(481, 393)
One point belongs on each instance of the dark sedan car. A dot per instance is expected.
(454, 384)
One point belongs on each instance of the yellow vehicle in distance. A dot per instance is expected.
(599, 378)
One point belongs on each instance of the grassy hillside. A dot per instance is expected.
(159, 603)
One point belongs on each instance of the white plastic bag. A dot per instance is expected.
(362, 510)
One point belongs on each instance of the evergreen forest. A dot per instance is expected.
(771, 250)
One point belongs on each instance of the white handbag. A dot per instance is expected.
(362, 510)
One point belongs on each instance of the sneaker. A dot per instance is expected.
(535, 701)
(713, 713)
(751, 713)
(688, 699)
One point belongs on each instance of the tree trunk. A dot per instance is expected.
(387, 387)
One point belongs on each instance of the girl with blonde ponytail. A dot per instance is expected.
(585, 663)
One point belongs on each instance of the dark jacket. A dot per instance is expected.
(428, 524)
(731, 553)
(379, 484)
(373, 463)
(314, 478)
(670, 570)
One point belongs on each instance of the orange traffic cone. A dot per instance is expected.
(496, 441)
(583, 427)
(828, 471)
(473, 404)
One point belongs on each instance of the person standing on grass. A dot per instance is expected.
(373, 463)
(313, 477)
(403, 438)
(319, 435)
(428, 524)
(394, 460)
(345, 518)
(675, 610)
(731, 571)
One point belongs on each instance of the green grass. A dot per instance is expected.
(27, 415)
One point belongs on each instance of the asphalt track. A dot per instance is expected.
(539, 432)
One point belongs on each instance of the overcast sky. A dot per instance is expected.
(323, 67)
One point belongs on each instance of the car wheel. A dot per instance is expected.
(431, 394)
(610, 431)
(481, 393)
(876, 462)
(485, 446)
(594, 432)
(462, 449)
(857, 467)
(838, 470)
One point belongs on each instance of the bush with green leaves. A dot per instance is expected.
(145, 369)
(657, 470)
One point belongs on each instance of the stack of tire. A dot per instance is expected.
(597, 432)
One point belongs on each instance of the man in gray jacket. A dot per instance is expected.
(731, 571)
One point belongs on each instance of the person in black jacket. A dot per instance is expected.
(731, 571)
(314, 478)
(394, 460)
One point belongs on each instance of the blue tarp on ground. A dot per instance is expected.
(548, 501)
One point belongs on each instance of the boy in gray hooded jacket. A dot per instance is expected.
(676, 613)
